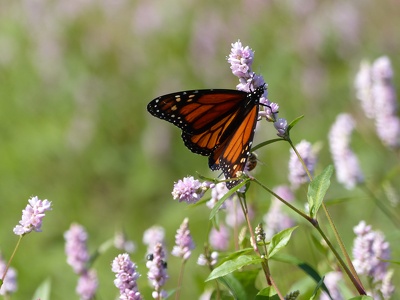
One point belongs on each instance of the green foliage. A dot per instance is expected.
(232, 265)
(279, 241)
(317, 190)
(43, 291)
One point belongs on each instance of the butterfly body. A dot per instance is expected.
(217, 123)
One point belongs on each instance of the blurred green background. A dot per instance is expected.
(75, 79)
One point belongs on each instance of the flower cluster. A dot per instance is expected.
(241, 60)
(87, 285)
(377, 94)
(297, 173)
(348, 171)
(78, 258)
(370, 250)
(183, 241)
(219, 238)
(126, 277)
(208, 259)
(32, 216)
(158, 271)
(276, 219)
(190, 190)
(121, 242)
(152, 236)
(332, 280)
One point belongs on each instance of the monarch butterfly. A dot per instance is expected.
(217, 123)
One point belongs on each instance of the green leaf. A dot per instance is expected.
(268, 293)
(260, 145)
(391, 261)
(233, 265)
(43, 291)
(317, 190)
(279, 241)
(309, 270)
(226, 196)
(319, 285)
(293, 123)
(236, 254)
(234, 286)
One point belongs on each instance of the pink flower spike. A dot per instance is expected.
(183, 241)
(87, 285)
(76, 248)
(189, 190)
(32, 216)
(158, 271)
(126, 277)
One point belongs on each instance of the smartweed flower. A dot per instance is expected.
(370, 250)
(87, 285)
(348, 171)
(158, 271)
(297, 173)
(377, 95)
(126, 277)
(121, 242)
(76, 249)
(276, 219)
(32, 216)
(331, 281)
(189, 190)
(78, 258)
(281, 126)
(9, 285)
(219, 238)
(152, 236)
(241, 60)
(208, 260)
(183, 241)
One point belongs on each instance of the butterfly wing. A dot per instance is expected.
(215, 123)
(232, 155)
(203, 115)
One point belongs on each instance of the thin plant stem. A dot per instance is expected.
(11, 258)
(354, 278)
(381, 206)
(180, 280)
(264, 264)
(299, 212)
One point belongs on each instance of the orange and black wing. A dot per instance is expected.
(203, 115)
(232, 155)
(215, 123)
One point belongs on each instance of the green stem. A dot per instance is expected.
(264, 264)
(381, 206)
(11, 258)
(299, 212)
(350, 270)
(180, 280)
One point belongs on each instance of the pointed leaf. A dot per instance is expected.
(268, 293)
(309, 270)
(317, 190)
(279, 241)
(43, 291)
(319, 285)
(234, 286)
(293, 123)
(260, 145)
(233, 265)
(362, 298)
